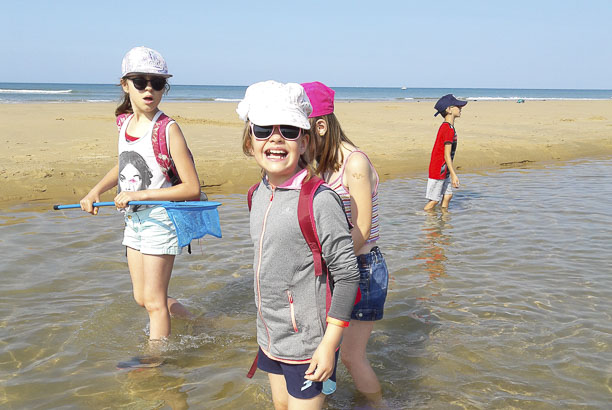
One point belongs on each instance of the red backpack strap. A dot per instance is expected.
(250, 195)
(253, 368)
(307, 222)
(309, 231)
(160, 149)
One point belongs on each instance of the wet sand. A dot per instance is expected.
(54, 153)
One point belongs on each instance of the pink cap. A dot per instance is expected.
(321, 98)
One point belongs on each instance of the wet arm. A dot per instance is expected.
(449, 163)
(337, 247)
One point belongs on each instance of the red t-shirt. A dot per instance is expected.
(437, 165)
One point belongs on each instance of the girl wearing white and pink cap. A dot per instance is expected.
(349, 172)
(142, 175)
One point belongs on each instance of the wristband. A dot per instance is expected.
(337, 322)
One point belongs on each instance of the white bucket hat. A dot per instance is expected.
(273, 103)
(144, 60)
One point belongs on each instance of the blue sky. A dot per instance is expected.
(514, 44)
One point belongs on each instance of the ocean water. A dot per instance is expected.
(504, 301)
(34, 92)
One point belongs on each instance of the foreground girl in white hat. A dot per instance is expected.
(297, 334)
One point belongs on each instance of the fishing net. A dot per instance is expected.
(193, 220)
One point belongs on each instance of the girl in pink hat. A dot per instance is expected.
(149, 236)
(349, 172)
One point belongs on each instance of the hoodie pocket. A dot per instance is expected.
(292, 311)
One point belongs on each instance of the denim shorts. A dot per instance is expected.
(373, 282)
(151, 232)
(437, 188)
(297, 385)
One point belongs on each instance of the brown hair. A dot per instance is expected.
(327, 147)
(125, 106)
(305, 159)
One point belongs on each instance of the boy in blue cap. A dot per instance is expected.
(442, 175)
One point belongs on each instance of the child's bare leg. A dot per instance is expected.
(134, 258)
(446, 200)
(430, 205)
(315, 403)
(135, 263)
(284, 401)
(280, 395)
(157, 270)
(353, 355)
(177, 309)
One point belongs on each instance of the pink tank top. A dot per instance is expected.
(344, 194)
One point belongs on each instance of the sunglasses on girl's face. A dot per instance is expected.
(157, 83)
(288, 132)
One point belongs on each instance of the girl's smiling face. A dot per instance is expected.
(278, 157)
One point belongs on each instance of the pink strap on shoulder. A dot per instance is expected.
(121, 119)
(160, 130)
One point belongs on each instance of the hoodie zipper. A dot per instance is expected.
(292, 309)
(261, 238)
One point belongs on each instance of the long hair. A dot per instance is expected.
(305, 161)
(327, 151)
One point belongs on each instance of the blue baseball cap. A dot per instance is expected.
(448, 101)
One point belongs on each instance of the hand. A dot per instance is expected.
(455, 181)
(123, 197)
(87, 203)
(322, 364)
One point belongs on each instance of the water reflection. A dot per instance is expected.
(435, 243)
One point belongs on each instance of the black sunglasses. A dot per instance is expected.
(140, 83)
(288, 132)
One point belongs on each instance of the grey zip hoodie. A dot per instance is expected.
(290, 299)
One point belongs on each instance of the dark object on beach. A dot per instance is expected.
(520, 101)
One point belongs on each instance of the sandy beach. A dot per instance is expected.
(54, 153)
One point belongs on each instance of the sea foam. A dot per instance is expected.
(9, 91)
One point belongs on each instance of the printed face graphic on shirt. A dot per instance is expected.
(134, 173)
(130, 179)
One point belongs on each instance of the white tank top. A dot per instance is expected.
(138, 168)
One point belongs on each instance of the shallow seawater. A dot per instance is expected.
(504, 301)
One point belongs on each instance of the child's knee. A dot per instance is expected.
(139, 299)
(348, 359)
(154, 305)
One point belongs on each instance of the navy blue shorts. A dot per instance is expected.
(297, 385)
(373, 282)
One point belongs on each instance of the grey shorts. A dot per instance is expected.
(437, 188)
